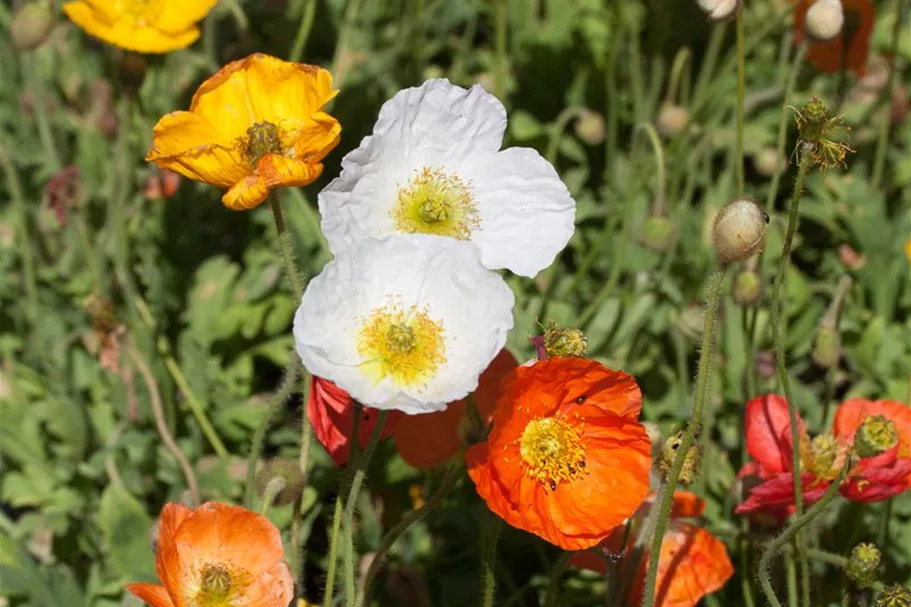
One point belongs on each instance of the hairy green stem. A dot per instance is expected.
(783, 128)
(24, 232)
(882, 144)
(500, 46)
(333, 548)
(297, 546)
(357, 482)
(415, 516)
(488, 562)
(303, 31)
(553, 585)
(765, 562)
(712, 296)
(275, 486)
(741, 71)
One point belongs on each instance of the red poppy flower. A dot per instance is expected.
(566, 458)
(849, 49)
(692, 563)
(330, 410)
(852, 414)
(431, 439)
(768, 435)
(217, 555)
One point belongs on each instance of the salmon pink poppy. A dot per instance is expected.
(566, 458)
(846, 51)
(876, 475)
(692, 564)
(854, 413)
(217, 554)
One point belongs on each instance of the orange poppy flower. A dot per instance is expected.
(217, 555)
(254, 125)
(852, 413)
(427, 440)
(566, 458)
(140, 25)
(692, 562)
(849, 49)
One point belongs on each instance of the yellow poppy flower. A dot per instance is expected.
(254, 125)
(141, 25)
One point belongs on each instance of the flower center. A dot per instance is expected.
(552, 451)
(262, 138)
(405, 345)
(823, 456)
(215, 586)
(143, 12)
(438, 203)
(876, 435)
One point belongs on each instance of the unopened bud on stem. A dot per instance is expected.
(281, 480)
(739, 230)
(863, 565)
(719, 10)
(825, 20)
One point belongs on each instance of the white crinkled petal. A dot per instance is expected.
(441, 275)
(527, 214)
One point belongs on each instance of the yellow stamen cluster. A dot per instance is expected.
(436, 203)
(143, 12)
(404, 345)
(824, 456)
(218, 585)
(552, 451)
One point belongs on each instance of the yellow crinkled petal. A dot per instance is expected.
(262, 88)
(189, 144)
(123, 32)
(315, 139)
(271, 170)
(179, 15)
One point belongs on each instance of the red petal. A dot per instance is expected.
(768, 432)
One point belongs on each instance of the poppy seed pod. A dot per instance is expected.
(825, 20)
(292, 481)
(826, 347)
(863, 565)
(590, 127)
(719, 10)
(31, 25)
(656, 233)
(747, 288)
(876, 435)
(672, 119)
(895, 595)
(739, 230)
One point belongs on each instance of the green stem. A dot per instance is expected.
(779, 329)
(500, 42)
(303, 31)
(553, 585)
(339, 67)
(351, 505)
(783, 128)
(741, 70)
(275, 486)
(682, 61)
(333, 549)
(286, 245)
(882, 144)
(297, 546)
(746, 587)
(284, 392)
(39, 104)
(610, 86)
(556, 133)
(712, 296)
(660, 201)
(23, 233)
(488, 562)
(883, 543)
(415, 516)
(765, 563)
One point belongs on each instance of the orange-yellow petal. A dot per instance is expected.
(271, 170)
(153, 594)
(191, 145)
(851, 414)
(122, 28)
(166, 563)
(178, 16)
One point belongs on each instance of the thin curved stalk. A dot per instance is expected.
(741, 70)
(783, 128)
(882, 143)
(553, 585)
(488, 561)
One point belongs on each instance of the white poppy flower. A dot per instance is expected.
(433, 165)
(408, 322)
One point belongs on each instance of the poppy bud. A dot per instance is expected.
(31, 25)
(568, 343)
(672, 119)
(691, 320)
(590, 127)
(894, 596)
(826, 347)
(281, 480)
(876, 435)
(739, 230)
(690, 462)
(863, 565)
(132, 70)
(719, 10)
(656, 233)
(825, 20)
(747, 288)
(767, 160)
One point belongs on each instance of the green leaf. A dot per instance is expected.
(125, 530)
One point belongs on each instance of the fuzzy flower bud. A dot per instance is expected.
(767, 160)
(747, 288)
(719, 10)
(863, 565)
(672, 119)
(31, 25)
(826, 347)
(825, 20)
(690, 462)
(656, 233)
(283, 478)
(876, 435)
(568, 343)
(894, 596)
(590, 127)
(739, 230)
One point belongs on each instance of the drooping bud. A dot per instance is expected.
(863, 565)
(282, 478)
(719, 10)
(31, 25)
(739, 230)
(691, 320)
(876, 435)
(747, 288)
(894, 595)
(132, 69)
(657, 233)
(825, 20)
(767, 160)
(590, 127)
(560, 341)
(690, 462)
(826, 347)
(672, 119)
